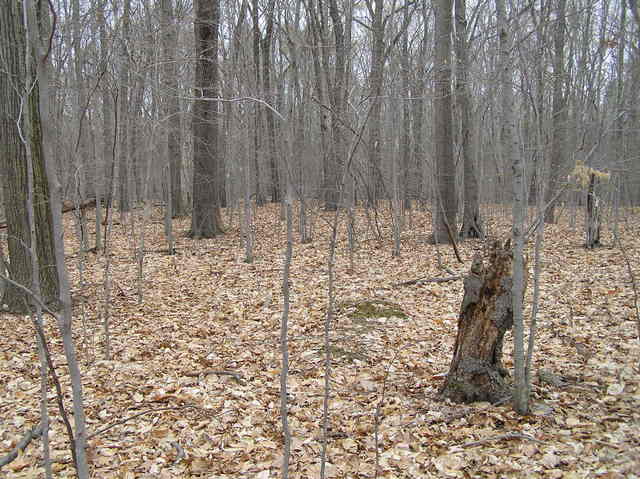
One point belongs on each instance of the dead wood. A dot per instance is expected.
(427, 280)
(476, 372)
(22, 445)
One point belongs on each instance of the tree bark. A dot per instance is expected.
(172, 107)
(593, 215)
(13, 91)
(559, 110)
(471, 222)
(376, 77)
(123, 112)
(445, 202)
(476, 372)
(257, 108)
(269, 98)
(206, 221)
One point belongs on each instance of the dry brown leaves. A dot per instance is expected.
(200, 358)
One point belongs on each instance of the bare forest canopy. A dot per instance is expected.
(296, 81)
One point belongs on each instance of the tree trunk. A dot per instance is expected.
(257, 108)
(206, 221)
(376, 77)
(172, 108)
(269, 98)
(123, 112)
(445, 202)
(476, 372)
(559, 111)
(13, 85)
(471, 222)
(593, 215)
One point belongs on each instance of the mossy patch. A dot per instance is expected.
(368, 309)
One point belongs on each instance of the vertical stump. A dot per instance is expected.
(476, 372)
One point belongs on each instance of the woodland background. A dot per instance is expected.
(256, 196)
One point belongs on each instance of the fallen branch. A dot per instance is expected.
(142, 413)
(427, 280)
(233, 374)
(32, 434)
(501, 437)
(181, 455)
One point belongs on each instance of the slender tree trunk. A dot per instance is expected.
(123, 111)
(64, 321)
(269, 98)
(512, 155)
(257, 108)
(405, 137)
(417, 113)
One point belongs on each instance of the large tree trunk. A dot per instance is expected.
(123, 112)
(476, 372)
(471, 223)
(172, 107)
(338, 98)
(206, 220)
(13, 162)
(257, 108)
(376, 77)
(559, 111)
(269, 98)
(445, 204)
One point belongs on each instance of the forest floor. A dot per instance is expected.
(196, 359)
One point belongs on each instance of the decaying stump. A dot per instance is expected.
(476, 372)
(593, 215)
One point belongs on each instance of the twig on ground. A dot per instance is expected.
(142, 413)
(427, 280)
(501, 437)
(32, 434)
(218, 372)
(181, 454)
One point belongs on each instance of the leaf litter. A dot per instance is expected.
(193, 386)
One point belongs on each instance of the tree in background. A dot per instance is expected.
(172, 107)
(445, 203)
(206, 221)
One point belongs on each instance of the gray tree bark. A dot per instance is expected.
(172, 113)
(445, 202)
(471, 221)
(206, 221)
(558, 109)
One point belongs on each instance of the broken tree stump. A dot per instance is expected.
(476, 372)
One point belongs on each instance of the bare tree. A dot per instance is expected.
(172, 115)
(206, 220)
(471, 221)
(558, 109)
(445, 202)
